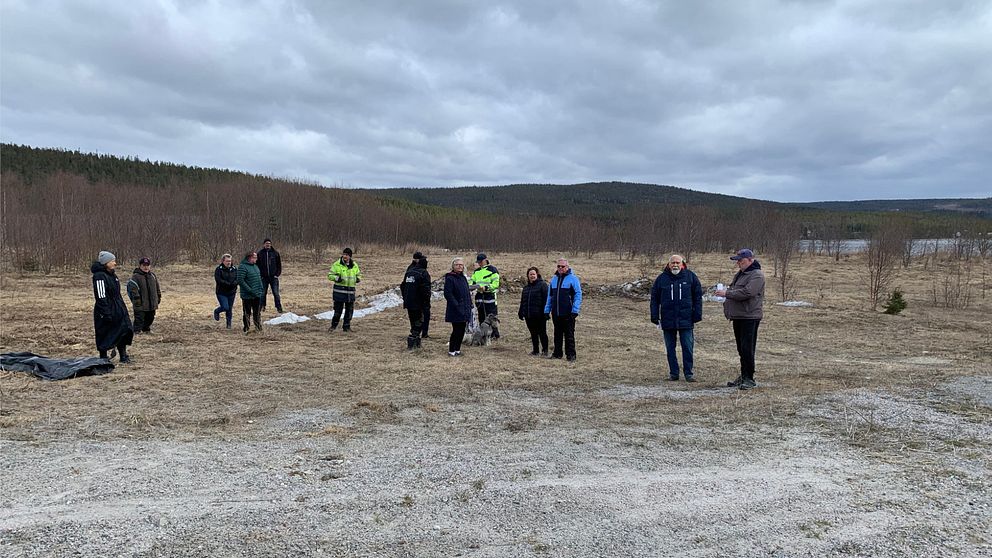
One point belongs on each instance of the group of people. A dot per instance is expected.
(675, 307)
(114, 329)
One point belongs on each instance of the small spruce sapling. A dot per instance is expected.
(895, 304)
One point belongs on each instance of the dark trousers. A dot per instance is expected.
(226, 302)
(538, 328)
(746, 335)
(457, 335)
(252, 310)
(143, 320)
(416, 321)
(274, 283)
(426, 323)
(687, 341)
(349, 309)
(564, 328)
(485, 309)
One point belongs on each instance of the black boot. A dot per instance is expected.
(124, 358)
(411, 343)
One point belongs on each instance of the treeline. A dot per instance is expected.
(59, 209)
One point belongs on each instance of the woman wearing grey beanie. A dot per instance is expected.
(110, 316)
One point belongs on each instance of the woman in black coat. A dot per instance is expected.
(459, 308)
(110, 316)
(226, 279)
(532, 300)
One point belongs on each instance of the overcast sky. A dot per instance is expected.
(787, 101)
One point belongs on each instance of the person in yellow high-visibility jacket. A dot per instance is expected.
(346, 276)
(485, 280)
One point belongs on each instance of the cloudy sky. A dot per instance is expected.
(780, 100)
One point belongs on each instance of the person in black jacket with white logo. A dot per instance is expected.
(416, 291)
(532, 301)
(110, 316)
(676, 306)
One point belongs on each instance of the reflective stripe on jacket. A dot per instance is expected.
(487, 278)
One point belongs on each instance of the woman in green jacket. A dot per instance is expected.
(250, 285)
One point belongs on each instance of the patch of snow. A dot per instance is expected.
(287, 318)
(377, 303)
(796, 304)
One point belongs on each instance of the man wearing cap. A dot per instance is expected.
(145, 294)
(743, 307)
(346, 276)
(486, 281)
(270, 268)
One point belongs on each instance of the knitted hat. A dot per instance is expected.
(105, 257)
(347, 251)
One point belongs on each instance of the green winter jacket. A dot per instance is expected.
(250, 280)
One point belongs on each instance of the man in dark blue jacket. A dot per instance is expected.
(562, 307)
(676, 306)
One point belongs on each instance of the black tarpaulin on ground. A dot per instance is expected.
(55, 368)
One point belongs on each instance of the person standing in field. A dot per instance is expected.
(346, 276)
(532, 302)
(250, 285)
(416, 291)
(459, 305)
(145, 293)
(676, 306)
(485, 279)
(226, 279)
(110, 316)
(743, 307)
(269, 269)
(562, 308)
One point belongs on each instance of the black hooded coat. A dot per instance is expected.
(110, 315)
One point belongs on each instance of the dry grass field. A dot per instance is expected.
(868, 436)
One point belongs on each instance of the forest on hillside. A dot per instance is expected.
(59, 208)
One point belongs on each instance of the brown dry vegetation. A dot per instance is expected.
(193, 377)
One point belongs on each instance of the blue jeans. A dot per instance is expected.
(226, 303)
(274, 283)
(687, 340)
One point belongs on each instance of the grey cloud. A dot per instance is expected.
(767, 99)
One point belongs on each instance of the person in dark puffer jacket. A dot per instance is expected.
(145, 293)
(459, 305)
(532, 301)
(250, 285)
(676, 306)
(110, 316)
(226, 279)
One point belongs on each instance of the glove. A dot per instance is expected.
(574, 315)
(547, 316)
(520, 315)
(654, 321)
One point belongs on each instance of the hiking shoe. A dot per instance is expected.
(571, 358)
(280, 310)
(333, 327)
(454, 353)
(216, 316)
(534, 353)
(346, 328)
(425, 336)
(673, 378)
(690, 379)
(544, 354)
(747, 384)
(125, 359)
(736, 382)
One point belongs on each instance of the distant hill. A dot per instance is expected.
(981, 207)
(595, 199)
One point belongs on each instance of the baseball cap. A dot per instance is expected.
(743, 253)
(144, 261)
(481, 257)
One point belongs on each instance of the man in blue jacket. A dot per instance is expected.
(676, 306)
(562, 307)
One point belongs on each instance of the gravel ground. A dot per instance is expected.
(513, 475)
